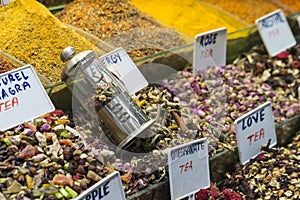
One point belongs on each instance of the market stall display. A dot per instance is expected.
(59, 155)
(119, 23)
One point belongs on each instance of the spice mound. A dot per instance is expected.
(46, 159)
(121, 24)
(33, 35)
(273, 174)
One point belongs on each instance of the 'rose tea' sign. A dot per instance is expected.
(22, 97)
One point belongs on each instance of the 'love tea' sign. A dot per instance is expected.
(22, 97)
(255, 129)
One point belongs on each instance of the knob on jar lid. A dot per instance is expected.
(67, 54)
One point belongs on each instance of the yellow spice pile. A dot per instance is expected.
(33, 35)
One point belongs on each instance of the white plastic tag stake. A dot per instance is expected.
(210, 49)
(188, 168)
(298, 19)
(192, 197)
(275, 32)
(119, 63)
(255, 129)
(5, 2)
(22, 97)
(299, 96)
(108, 188)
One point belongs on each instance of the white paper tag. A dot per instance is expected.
(210, 49)
(22, 97)
(5, 2)
(108, 188)
(275, 32)
(255, 129)
(119, 63)
(188, 168)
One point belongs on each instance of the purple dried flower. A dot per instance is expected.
(45, 127)
(28, 131)
(266, 86)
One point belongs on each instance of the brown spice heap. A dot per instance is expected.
(5, 65)
(247, 10)
(33, 35)
(120, 24)
(50, 3)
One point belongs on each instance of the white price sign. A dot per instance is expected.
(210, 49)
(22, 97)
(108, 188)
(275, 32)
(188, 168)
(119, 63)
(255, 129)
(5, 2)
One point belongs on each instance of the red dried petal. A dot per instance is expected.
(49, 119)
(58, 113)
(282, 55)
(231, 195)
(202, 194)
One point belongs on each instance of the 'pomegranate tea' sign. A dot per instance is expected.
(210, 49)
(275, 32)
(107, 189)
(255, 129)
(119, 63)
(188, 168)
(22, 97)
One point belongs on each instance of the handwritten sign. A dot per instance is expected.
(210, 49)
(22, 97)
(118, 62)
(275, 32)
(108, 188)
(188, 168)
(255, 129)
(5, 2)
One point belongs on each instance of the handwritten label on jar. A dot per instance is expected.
(210, 49)
(255, 129)
(22, 97)
(108, 188)
(188, 168)
(119, 63)
(275, 32)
